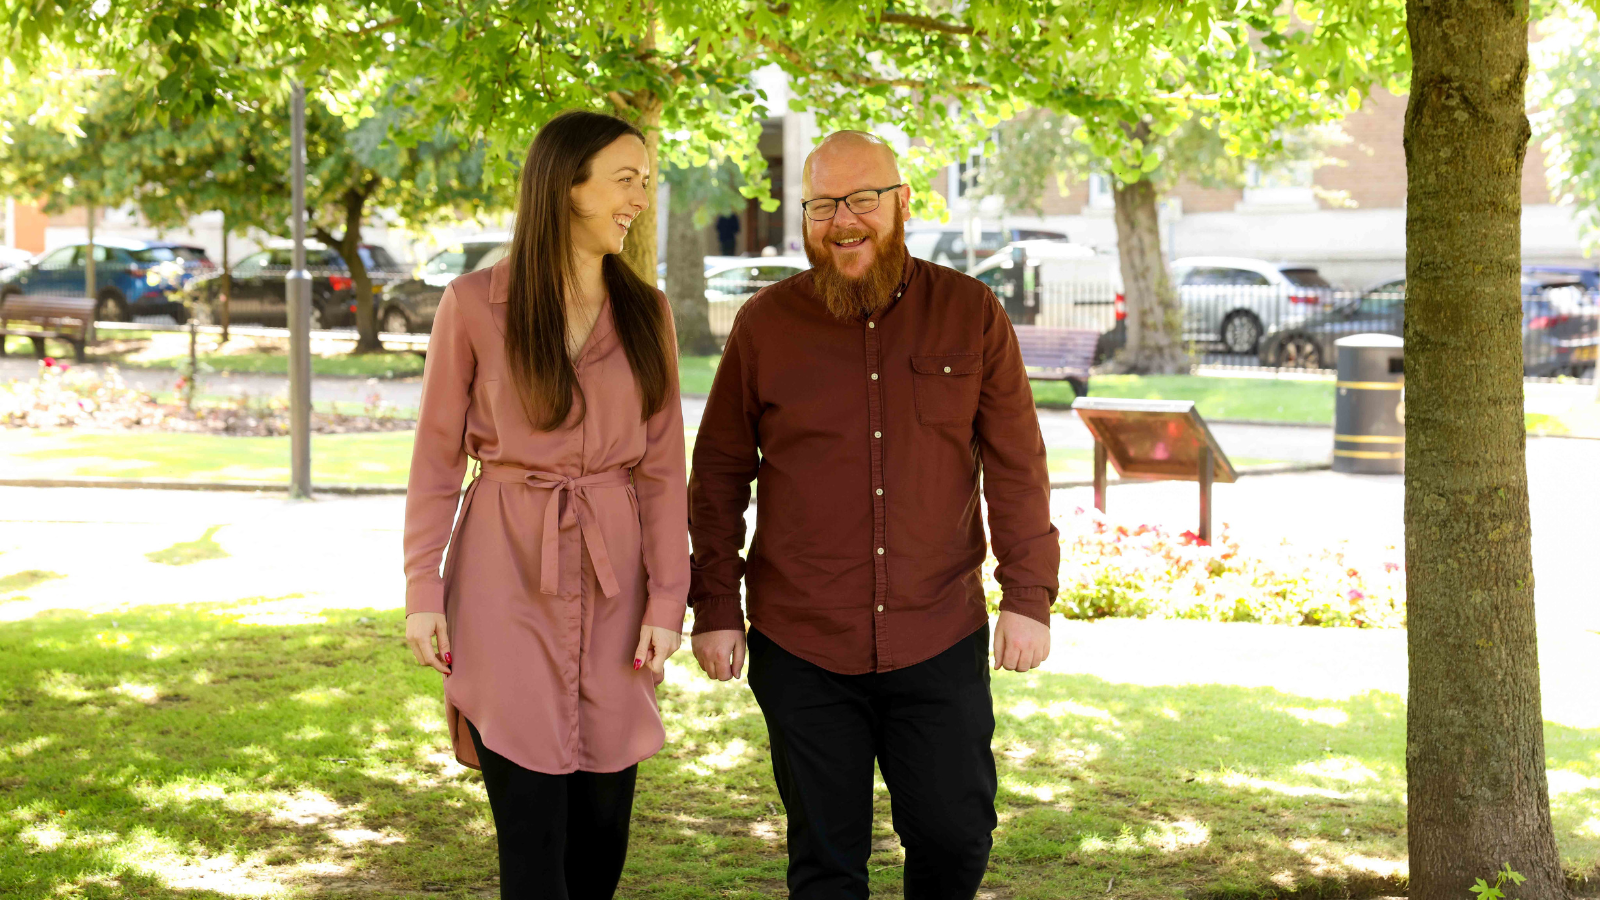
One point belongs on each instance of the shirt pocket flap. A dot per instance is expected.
(949, 364)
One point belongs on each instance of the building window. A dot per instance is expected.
(1280, 185)
(1100, 196)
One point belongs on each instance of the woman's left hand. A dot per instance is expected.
(655, 645)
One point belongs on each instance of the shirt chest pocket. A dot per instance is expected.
(946, 387)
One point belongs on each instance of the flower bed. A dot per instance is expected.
(1144, 571)
(64, 396)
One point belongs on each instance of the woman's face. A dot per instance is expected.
(617, 191)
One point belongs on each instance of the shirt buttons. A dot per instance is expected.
(947, 370)
(872, 324)
(877, 434)
(880, 607)
(880, 492)
(880, 551)
(874, 376)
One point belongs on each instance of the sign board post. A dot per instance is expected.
(1154, 440)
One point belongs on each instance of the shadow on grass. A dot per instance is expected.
(181, 752)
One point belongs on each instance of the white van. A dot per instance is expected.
(1063, 285)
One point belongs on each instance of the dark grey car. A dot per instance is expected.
(409, 306)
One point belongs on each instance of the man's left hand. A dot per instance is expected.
(1020, 643)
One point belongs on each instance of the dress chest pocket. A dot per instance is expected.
(946, 387)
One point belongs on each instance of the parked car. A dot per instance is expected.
(730, 284)
(13, 257)
(948, 246)
(410, 305)
(1309, 344)
(258, 295)
(1236, 301)
(1064, 285)
(1559, 330)
(132, 278)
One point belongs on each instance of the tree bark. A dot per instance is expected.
(686, 282)
(1475, 760)
(349, 246)
(640, 249)
(1155, 319)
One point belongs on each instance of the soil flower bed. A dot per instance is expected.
(1111, 569)
(64, 397)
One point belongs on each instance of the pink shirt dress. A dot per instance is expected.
(564, 544)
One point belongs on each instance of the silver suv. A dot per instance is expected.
(1235, 300)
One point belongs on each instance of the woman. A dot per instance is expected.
(568, 568)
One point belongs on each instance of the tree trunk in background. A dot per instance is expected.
(349, 247)
(686, 283)
(639, 251)
(1475, 760)
(1155, 319)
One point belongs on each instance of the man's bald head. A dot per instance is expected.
(848, 156)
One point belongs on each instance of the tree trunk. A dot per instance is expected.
(640, 249)
(354, 202)
(1475, 760)
(686, 282)
(1155, 319)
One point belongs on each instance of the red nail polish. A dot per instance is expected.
(637, 663)
(447, 658)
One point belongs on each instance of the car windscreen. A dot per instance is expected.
(154, 255)
(1305, 278)
(376, 259)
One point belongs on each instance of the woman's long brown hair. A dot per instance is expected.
(542, 270)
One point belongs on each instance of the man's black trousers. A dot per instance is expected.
(928, 725)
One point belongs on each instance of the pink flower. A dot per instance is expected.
(1355, 595)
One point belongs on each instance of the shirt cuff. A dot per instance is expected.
(718, 614)
(1032, 601)
(665, 612)
(425, 596)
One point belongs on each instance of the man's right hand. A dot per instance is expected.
(721, 653)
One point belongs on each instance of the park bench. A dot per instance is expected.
(1059, 353)
(70, 319)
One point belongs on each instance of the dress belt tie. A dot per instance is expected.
(589, 528)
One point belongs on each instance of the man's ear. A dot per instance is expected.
(905, 204)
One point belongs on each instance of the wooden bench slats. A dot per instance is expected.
(66, 317)
(1059, 353)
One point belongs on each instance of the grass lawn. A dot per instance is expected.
(376, 458)
(1262, 399)
(222, 751)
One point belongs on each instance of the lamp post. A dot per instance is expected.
(298, 286)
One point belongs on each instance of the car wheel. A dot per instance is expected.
(1241, 332)
(394, 322)
(1299, 351)
(111, 308)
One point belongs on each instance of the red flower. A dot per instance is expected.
(49, 361)
(1189, 537)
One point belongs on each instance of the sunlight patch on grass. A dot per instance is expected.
(1028, 708)
(189, 552)
(1566, 781)
(1326, 715)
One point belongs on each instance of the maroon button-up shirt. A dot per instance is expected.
(866, 439)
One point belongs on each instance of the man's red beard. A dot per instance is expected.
(850, 298)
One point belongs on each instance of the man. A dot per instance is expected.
(864, 396)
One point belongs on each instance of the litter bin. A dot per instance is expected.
(1369, 418)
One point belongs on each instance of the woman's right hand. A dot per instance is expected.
(421, 629)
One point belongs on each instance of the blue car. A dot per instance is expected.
(132, 278)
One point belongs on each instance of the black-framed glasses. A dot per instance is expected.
(821, 209)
